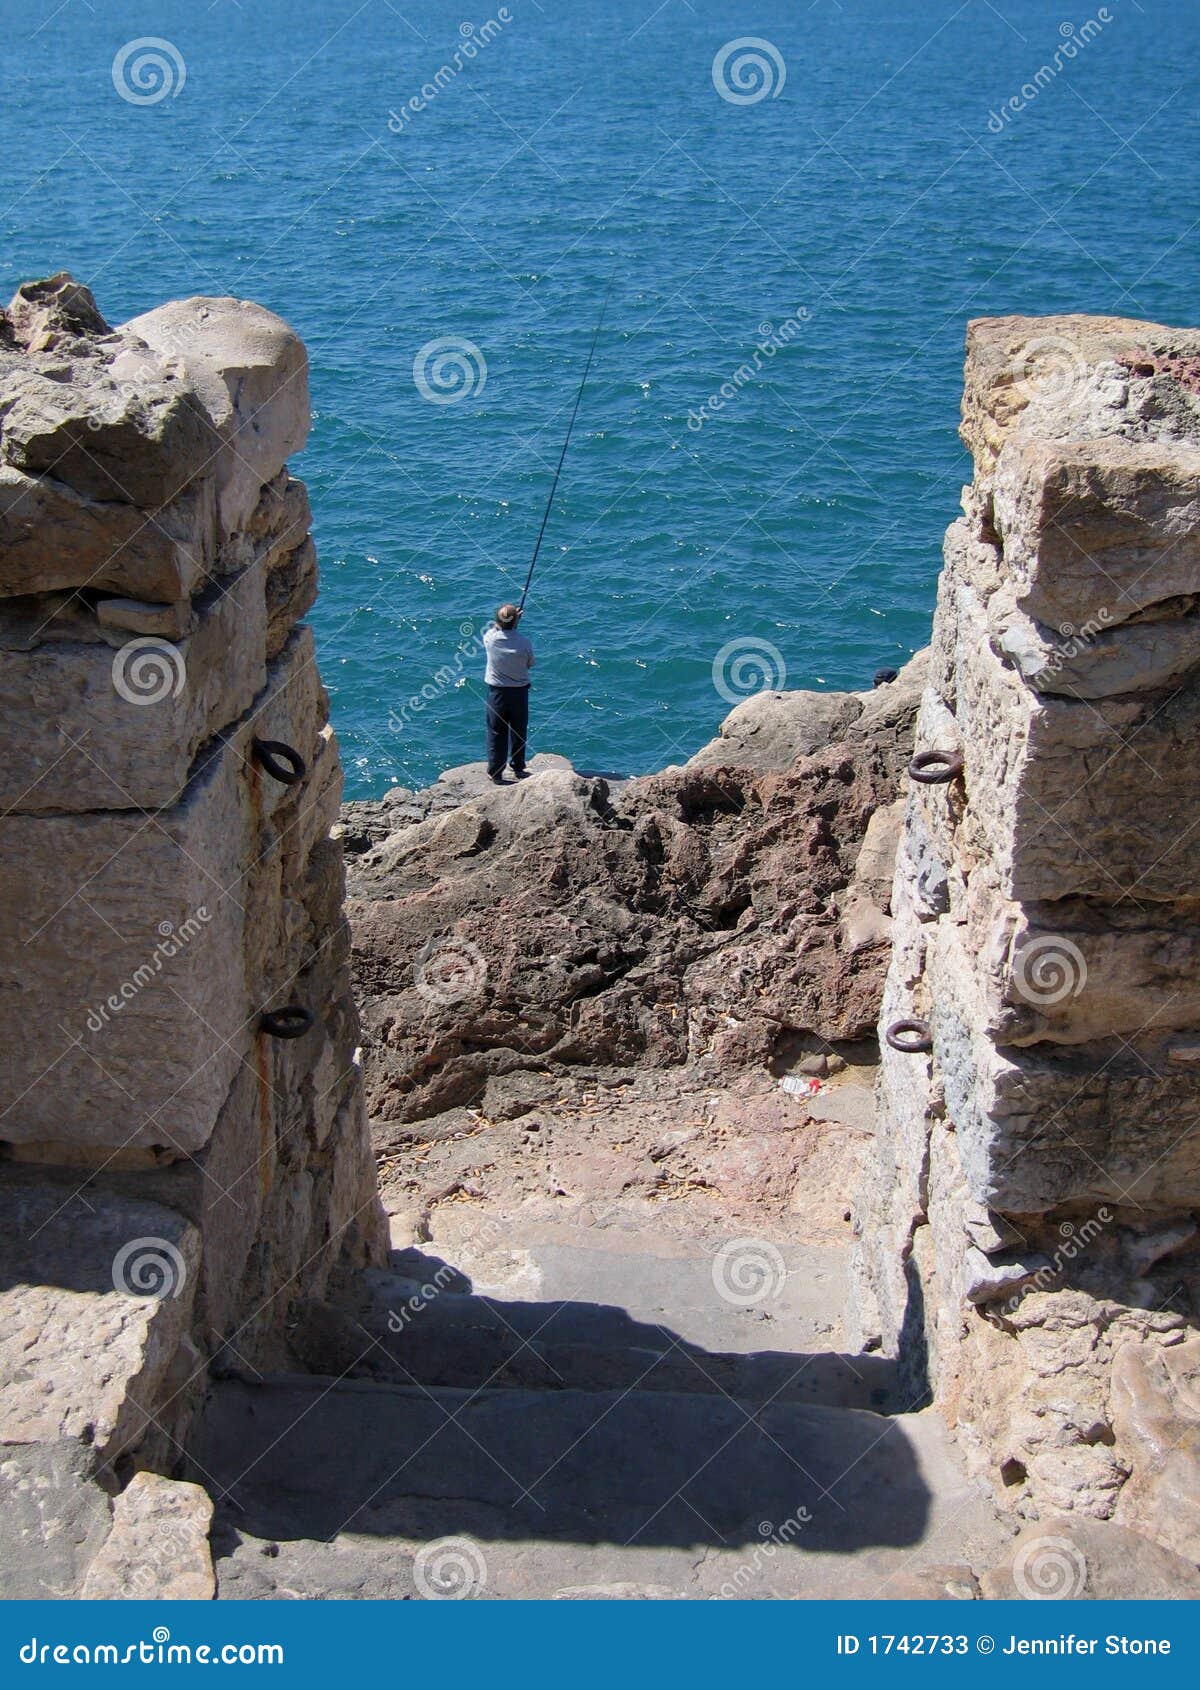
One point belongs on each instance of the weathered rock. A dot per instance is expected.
(1073, 1559)
(172, 878)
(1156, 1417)
(770, 729)
(1071, 970)
(250, 372)
(1068, 376)
(1098, 529)
(121, 427)
(97, 1294)
(41, 312)
(1027, 1211)
(695, 916)
(115, 723)
(158, 1546)
(988, 1280)
(52, 537)
(56, 1518)
(1074, 797)
(135, 616)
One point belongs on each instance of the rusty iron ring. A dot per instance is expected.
(918, 1040)
(290, 1022)
(280, 761)
(934, 768)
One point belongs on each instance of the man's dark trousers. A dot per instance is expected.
(507, 728)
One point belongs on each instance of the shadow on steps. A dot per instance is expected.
(311, 1458)
(423, 1324)
(560, 1421)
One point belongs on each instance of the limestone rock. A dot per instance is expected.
(125, 944)
(875, 867)
(116, 724)
(122, 427)
(1090, 1123)
(52, 536)
(1098, 525)
(696, 916)
(39, 312)
(169, 621)
(770, 729)
(158, 1548)
(988, 1280)
(1156, 1416)
(1067, 376)
(97, 1293)
(1028, 1209)
(56, 1518)
(1074, 797)
(173, 888)
(1073, 1559)
(250, 371)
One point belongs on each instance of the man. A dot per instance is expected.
(509, 660)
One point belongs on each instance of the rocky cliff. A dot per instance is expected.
(722, 917)
(1028, 1220)
(185, 1152)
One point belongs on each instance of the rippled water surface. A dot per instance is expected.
(846, 224)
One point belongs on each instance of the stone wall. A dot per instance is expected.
(179, 1168)
(1028, 1240)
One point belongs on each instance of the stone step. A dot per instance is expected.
(412, 1332)
(546, 1491)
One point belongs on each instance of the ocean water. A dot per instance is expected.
(846, 224)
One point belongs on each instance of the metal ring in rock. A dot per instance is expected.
(910, 1037)
(282, 762)
(291, 1022)
(934, 768)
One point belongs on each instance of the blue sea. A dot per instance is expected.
(799, 205)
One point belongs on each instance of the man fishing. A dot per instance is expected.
(509, 660)
(509, 653)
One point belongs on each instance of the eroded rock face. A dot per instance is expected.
(169, 786)
(1027, 1235)
(699, 916)
(158, 1546)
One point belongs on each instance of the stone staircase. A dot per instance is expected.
(578, 1411)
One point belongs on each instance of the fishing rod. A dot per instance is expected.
(562, 455)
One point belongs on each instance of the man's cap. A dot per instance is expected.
(507, 615)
